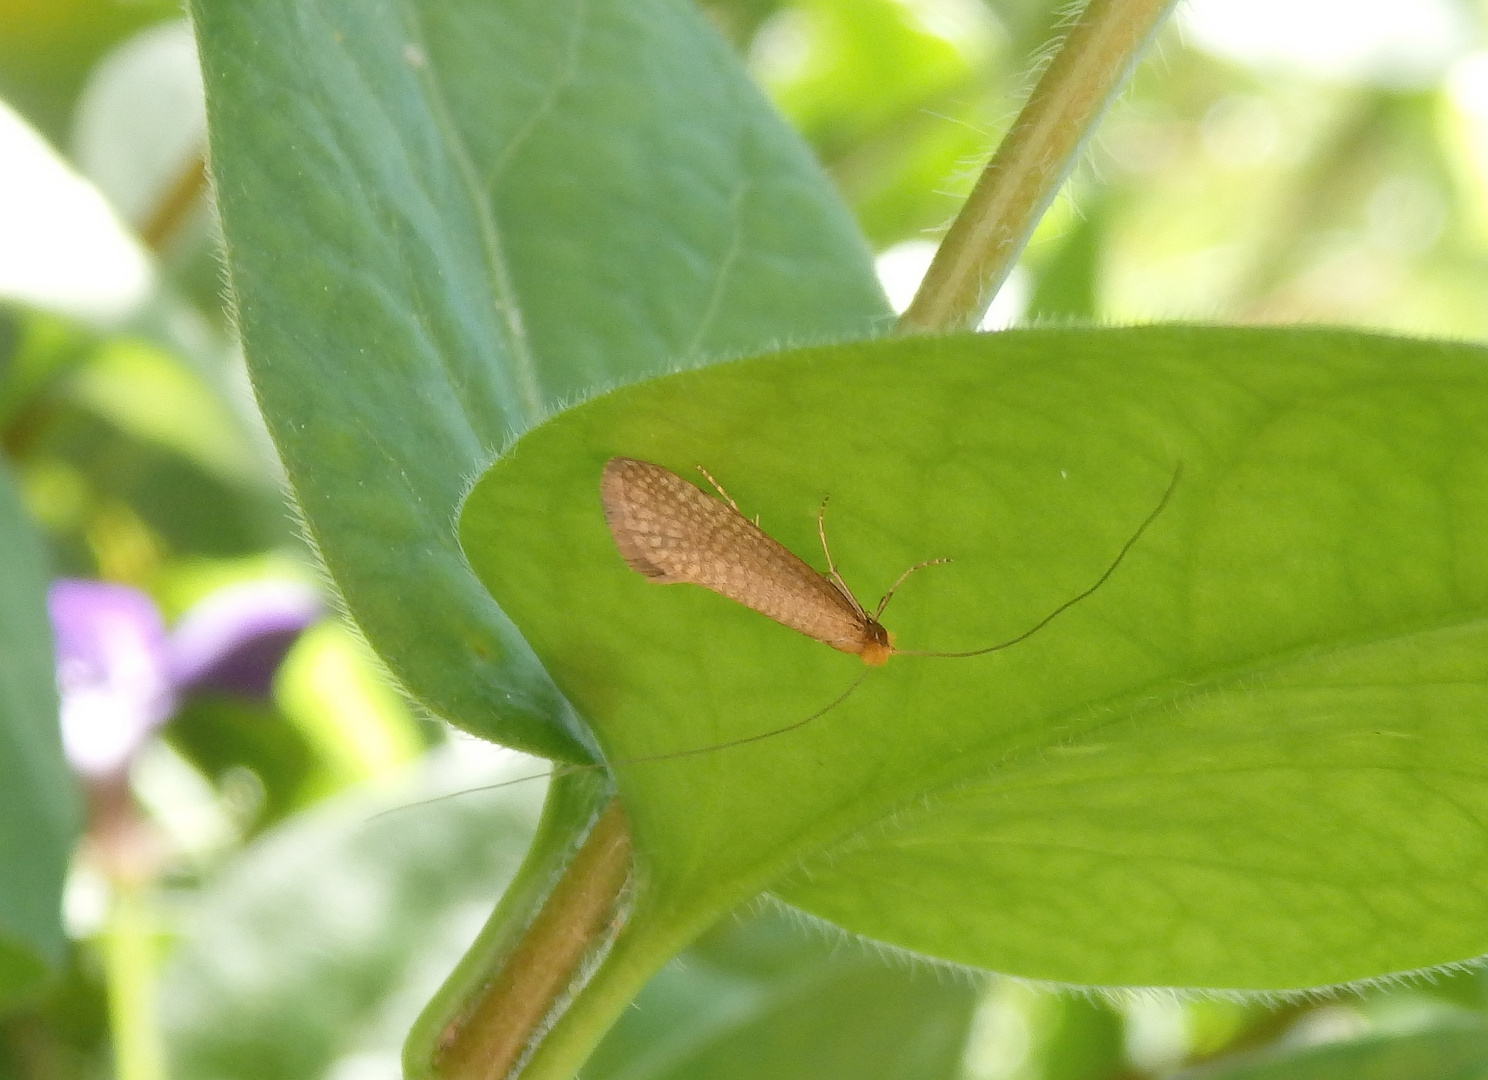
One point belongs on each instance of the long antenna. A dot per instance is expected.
(569, 770)
(1072, 601)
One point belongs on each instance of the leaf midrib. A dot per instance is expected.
(520, 359)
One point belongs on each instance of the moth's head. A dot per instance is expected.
(879, 645)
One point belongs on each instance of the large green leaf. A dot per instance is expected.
(1254, 759)
(39, 807)
(442, 220)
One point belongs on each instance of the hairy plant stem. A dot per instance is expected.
(985, 240)
(500, 1023)
(647, 940)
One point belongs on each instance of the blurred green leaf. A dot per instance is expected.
(1451, 1053)
(762, 996)
(1084, 1040)
(1467, 988)
(37, 350)
(442, 221)
(844, 69)
(192, 510)
(63, 1035)
(217, 733)
(153, 396)
(337, 695)
(1067, 281)
(1025, 1032)
(890, 95)
(114, 435)
(323, 938)
(40, 811)
(1248, 762)
(1029, 24)
(908, 183)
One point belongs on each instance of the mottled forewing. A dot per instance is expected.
(672, 532)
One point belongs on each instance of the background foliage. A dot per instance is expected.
(1261, 169)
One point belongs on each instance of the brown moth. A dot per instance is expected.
(671, 531)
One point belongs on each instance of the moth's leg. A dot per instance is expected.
(723, 494)
(902, 579)
(821, 532)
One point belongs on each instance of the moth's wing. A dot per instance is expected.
(656, 518)
(670, 531)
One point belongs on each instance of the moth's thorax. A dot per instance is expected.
(878, 644)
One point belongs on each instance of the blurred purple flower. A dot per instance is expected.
(111, 672)
(121, 676)
(233, 639)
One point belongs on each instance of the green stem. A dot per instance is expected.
(1020, 181)
(556, 920)
(647, 940)
(129, 961)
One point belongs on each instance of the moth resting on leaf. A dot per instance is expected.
(673, 532)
